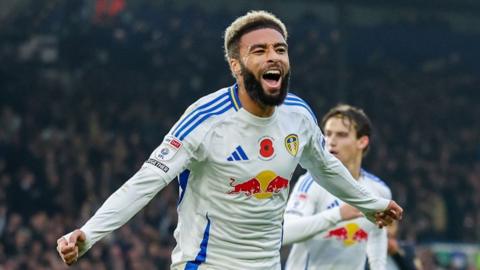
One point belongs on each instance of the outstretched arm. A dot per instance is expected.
(121, 206)
(124, 203)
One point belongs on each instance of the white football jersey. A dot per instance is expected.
(234, 170)
(321, 240)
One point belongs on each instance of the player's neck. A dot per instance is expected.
(354, 167)
(253, 107)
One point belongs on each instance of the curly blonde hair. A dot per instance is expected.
(253, 20)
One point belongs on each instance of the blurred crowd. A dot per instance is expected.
(85, 98)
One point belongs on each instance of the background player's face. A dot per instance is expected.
(342, 141)
(265, 66)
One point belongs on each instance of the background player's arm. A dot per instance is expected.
(330, 173)
(301, 221)
(300, 228)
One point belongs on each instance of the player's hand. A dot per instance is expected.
(349, 212)
(387, 216)
(68, 250)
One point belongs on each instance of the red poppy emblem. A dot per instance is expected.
(266, 148)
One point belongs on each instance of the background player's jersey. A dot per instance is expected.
(340, 244)
(234, 171)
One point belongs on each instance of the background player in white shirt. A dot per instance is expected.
(234, 152)
(401, 254)
(327, 233)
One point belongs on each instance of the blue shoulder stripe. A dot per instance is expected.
(293, 100)
(373, 177)
(306, 184)
(309, 185)
(302, 184)
(217, 110)
(200, 109)
(194, 118)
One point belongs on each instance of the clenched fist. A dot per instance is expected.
(68, 249)
(389, 215)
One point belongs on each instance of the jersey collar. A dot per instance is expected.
(234, 97)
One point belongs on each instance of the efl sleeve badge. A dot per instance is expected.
(168, 148)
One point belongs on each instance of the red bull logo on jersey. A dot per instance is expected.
(350, 234)
(263, 186)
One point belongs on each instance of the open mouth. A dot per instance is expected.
(272, 78)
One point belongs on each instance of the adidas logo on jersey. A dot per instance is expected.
(238, 154)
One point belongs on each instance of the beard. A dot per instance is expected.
(256, 92)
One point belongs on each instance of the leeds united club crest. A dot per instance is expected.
(291, 144)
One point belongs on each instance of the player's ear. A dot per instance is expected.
(235, 66)
(363, 142)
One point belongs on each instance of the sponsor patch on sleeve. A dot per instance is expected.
(176, 143)
(300, 201)
(168, 148)
(158, 164)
